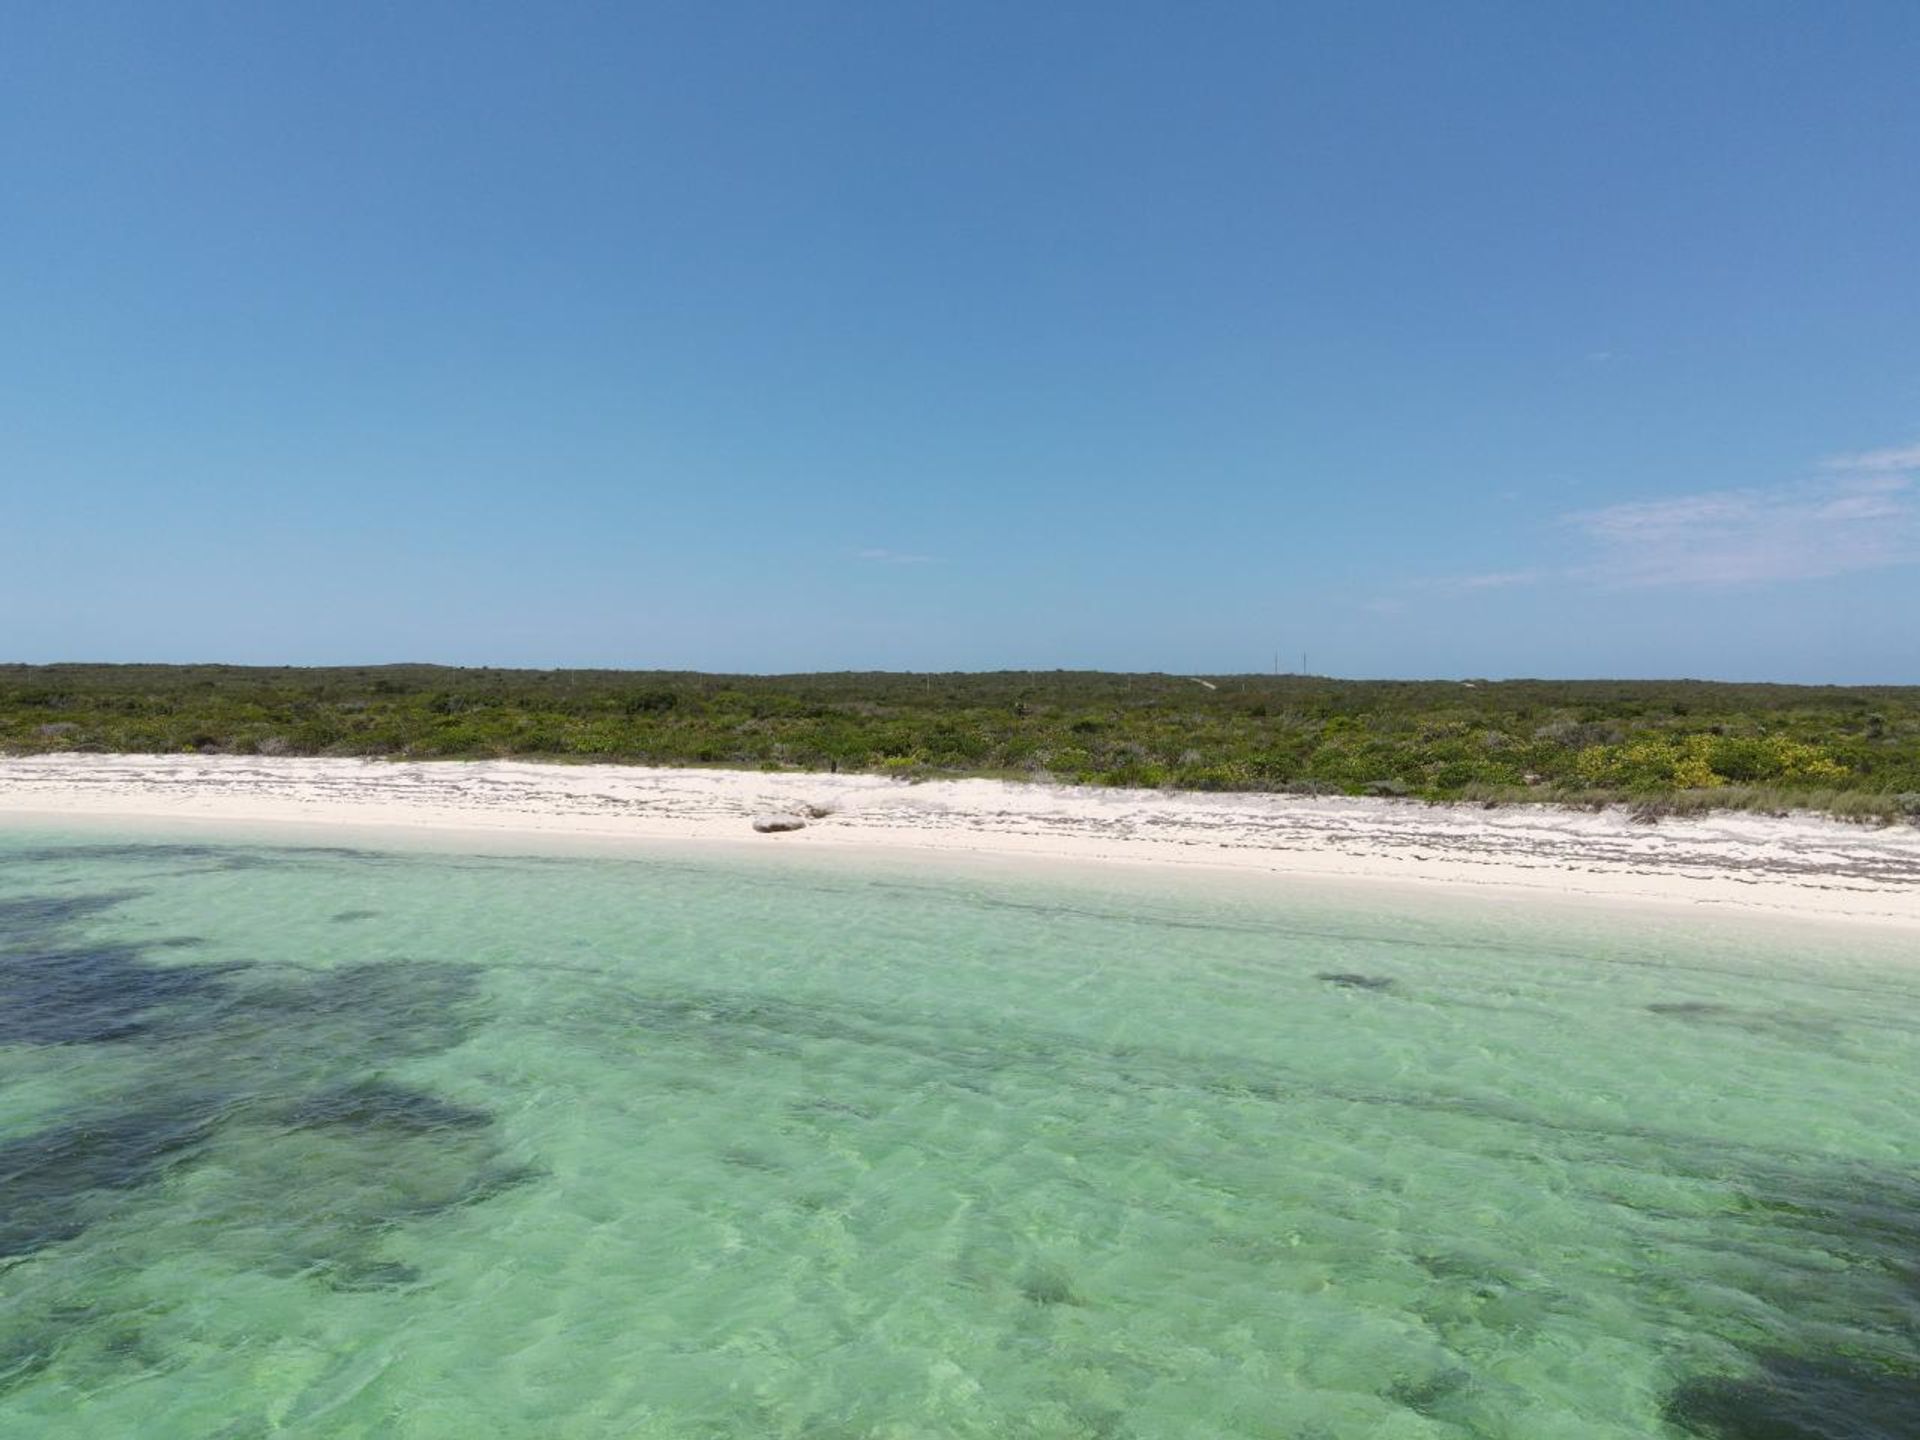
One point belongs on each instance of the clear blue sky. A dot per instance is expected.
(1451, 339)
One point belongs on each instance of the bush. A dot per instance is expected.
(1849, 752)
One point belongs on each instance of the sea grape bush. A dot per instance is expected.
(1851, 751)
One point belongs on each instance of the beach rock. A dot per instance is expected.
(774, 824)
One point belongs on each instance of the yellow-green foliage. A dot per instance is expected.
(1797, 763)
(1701, 762)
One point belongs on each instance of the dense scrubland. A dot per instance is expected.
(1658, 745)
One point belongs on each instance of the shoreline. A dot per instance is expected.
(1799, 866)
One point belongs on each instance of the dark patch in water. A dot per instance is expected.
(496, 1179)
(23, 1356)
(347, 916)
(94, 995)
(1692, 1009)
(288, 1045)
(377, 1105)
(58, 990)
(735, 1025)
(54, 1184)
(1781, 1024)
(1348, 980)
(1101, 1422)
(322, 1162)
(743, 1158)
(374, 1012)
(1808, 1382)
(36, 913)
(373, 1275)
(224, 857)
(1049, 1285)
(1476, 1275)
(1791, 1398)
(56, 854)
(1429, 1394)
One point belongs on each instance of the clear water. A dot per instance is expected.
(297, 1141)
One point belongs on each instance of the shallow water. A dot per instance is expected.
(342, 1142)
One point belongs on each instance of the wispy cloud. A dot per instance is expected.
(1860, 512)
(893, 557)
(1877, 462)
(1494, 580)
(1864, 520)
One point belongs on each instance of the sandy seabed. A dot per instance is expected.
(1800, 865)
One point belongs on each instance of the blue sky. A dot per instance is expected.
(1420, 339)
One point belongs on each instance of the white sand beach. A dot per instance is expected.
(1798, 865)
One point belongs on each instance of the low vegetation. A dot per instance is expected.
(1661, 746)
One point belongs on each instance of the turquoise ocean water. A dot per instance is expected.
(367, 1142)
